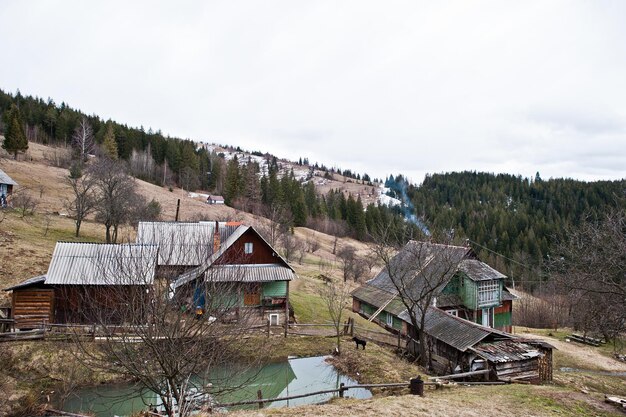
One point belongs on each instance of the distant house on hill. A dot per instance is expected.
(86, 283)
(466, 325)
(6, 187)
(215, 199)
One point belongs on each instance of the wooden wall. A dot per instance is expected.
(262, 253)
(33, 307)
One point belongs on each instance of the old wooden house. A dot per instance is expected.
(87, 283)
(6, 187)
(467, 321)
(249, 275)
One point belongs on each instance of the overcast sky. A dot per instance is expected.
(378, 87)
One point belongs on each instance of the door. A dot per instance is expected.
(486, 318)
(252, 295)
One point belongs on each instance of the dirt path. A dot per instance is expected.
(586, 355)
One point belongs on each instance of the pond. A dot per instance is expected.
(281, 379)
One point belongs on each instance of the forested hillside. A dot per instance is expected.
(166, 161)
(520, 218)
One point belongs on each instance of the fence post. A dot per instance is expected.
(341, 389)
(417, 386)
(351, 327)
(268, 328)
(398, 340)
(259, 396)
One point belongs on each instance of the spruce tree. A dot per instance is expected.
(15, 139)
(109, 145)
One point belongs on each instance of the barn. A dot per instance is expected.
(87, 283)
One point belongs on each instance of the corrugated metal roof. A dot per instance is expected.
(5, 179)
(102, 264)
(506, 351)
(479, 271)
(180, 243)
(249, 273)
(183, 243)
(40, 279)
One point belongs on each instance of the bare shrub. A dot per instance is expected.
(24, 202)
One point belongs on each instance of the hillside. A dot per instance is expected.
(26, 251)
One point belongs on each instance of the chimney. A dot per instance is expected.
(216, 237)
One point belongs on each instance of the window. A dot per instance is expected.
(248, 248)
(453, 312)
(488, 292)
(389, 320)
(274, 319)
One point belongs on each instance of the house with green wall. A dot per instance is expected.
(463, 286)
(244, 274)
(466, 307)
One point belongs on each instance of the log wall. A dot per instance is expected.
(32, 307)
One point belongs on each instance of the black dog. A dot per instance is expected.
(359, 342)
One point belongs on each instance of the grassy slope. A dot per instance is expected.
(25, 251)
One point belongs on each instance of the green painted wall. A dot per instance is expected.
(502, 319)
(468, 293)
(397, 323)
(453, 287)
(368, 309)
(275, 289)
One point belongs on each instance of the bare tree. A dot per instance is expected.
(416, 274)
(590, 266)
(82, 139)
(152, 335)
(351, 265)
(84, 201)
(336, 296)
(116, 193)
(280, 218)
(189, 179)
(290, 246)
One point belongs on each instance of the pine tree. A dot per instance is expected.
(15, 139)
(109, 146)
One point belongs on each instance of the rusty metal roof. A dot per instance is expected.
(5, 179)
(506, 351)
(102, 264)
(479, 271)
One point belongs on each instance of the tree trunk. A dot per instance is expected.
(78, 223)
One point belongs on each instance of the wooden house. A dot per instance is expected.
(86, 283)
(215, 199)
(465, 326)
(6, 187)
(250, 275)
